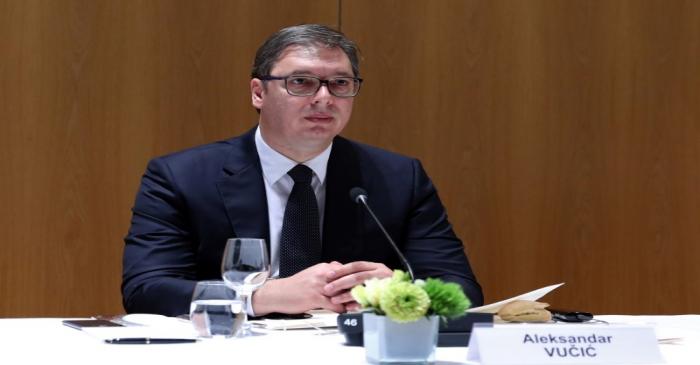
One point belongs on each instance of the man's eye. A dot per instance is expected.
(341, 82)
(300, 81)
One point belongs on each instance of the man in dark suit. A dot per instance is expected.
(303, 82)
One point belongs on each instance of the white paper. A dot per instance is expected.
(318, 320)
(110, 333)
(145, 326)
(533, 295)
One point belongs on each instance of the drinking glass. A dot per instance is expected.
(245, 267)
(215, 310)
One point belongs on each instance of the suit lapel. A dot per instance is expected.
(243, 190)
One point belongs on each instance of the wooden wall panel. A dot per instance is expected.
(89, 91)
(562, 135)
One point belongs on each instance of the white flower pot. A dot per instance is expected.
(389, 342)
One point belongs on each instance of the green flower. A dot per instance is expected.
(446, 299)
(406, 301)
(374, 289)
(403, 301)
(360, 295)
(400, 276)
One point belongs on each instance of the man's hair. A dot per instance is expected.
(305, 35)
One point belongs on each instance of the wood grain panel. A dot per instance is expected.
(563, 137)
(89, 91)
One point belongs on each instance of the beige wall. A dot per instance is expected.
(563, 136)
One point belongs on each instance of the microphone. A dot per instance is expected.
(359, 196)
(455, 332)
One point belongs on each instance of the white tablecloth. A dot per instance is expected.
(47, 341)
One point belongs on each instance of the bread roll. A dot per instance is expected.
(525, 311)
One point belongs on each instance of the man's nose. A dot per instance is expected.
(323, 95)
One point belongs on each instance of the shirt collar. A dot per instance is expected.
(276, 165)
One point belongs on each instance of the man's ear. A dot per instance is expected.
(256, 92)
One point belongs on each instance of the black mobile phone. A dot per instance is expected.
(83, 323)
(276, 315)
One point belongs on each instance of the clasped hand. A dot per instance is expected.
(322, 286)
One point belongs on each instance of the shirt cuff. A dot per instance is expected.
(249, 306)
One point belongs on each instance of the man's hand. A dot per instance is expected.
(342, 279)
(298, 293)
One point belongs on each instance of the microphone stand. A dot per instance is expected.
(360, 196)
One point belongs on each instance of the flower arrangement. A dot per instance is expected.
(405, 301)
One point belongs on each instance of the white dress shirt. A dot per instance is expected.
(278, 186)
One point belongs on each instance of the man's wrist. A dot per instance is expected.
(260, 302)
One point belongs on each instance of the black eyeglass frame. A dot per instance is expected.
(321, 82)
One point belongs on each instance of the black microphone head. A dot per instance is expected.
(356, 193)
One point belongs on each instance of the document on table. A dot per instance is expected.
(533, 295)
(163, 330)
(319, 319)
(143, 335)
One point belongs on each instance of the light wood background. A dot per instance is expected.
(563, 136)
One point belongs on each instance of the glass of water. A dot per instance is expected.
(245, 267)
(216, 311)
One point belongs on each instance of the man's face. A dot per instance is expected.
(302, 126)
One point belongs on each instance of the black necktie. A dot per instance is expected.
(300, 241)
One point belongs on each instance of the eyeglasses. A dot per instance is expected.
(297, 85)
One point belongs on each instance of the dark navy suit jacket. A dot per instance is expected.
(191, 202)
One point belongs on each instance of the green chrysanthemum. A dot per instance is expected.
(399, 275)
(404, 302)
(374, 289)
(360, 295)
(446, 299)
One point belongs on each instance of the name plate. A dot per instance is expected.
(564, 344)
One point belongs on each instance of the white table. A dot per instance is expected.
(47, 341)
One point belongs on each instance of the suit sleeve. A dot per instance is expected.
(159, 266)
(431, 245)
